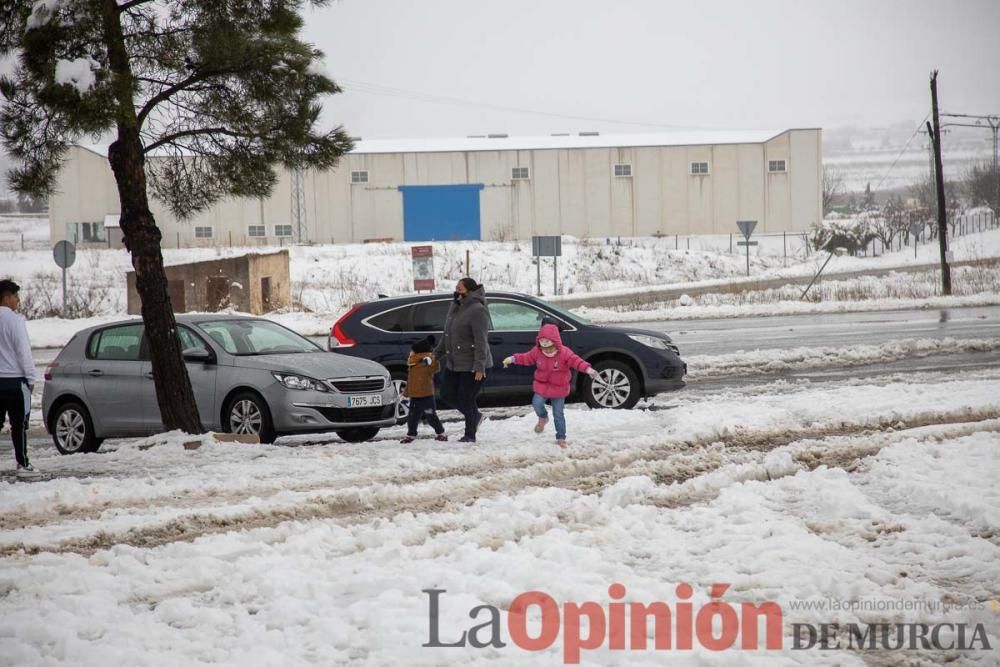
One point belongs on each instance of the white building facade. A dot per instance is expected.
(496, 188)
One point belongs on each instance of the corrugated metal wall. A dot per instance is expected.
(569, 191)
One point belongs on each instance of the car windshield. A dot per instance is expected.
(255, 337)
(565, 314)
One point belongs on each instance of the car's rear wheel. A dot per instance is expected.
(248, 414)
(616, 386)
(358, 434)
(73, 430)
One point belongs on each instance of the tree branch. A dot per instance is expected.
(133, 3)
(165, 95)
(204, 131)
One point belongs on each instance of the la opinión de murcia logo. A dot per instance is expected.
(715, 626)
(620, 626)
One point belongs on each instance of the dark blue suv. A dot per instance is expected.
(633, 363)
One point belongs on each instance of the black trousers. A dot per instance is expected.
(15, 402)
(460, 389)
(420, 408)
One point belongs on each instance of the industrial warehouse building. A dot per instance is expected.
(493, 187)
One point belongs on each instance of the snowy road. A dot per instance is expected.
(725, 336)
(728, 335)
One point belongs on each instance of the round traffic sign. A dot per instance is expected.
(64, 253)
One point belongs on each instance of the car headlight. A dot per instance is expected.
(300, 382)
(654, 342)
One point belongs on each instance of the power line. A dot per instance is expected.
(905, 146)
(378, 89)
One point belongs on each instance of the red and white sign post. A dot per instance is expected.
(423, 267)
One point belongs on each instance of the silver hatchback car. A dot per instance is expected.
(249, 375)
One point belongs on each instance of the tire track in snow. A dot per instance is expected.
(187, 498)
(671, 461)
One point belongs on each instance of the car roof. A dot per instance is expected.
(181, 318)
(413, 298)
(195, 318)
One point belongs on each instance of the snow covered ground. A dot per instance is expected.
(302, 553)
(17, 228)
(818, 497)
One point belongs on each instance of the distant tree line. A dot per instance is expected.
(978, 186)
(853, 220)
(24, 204)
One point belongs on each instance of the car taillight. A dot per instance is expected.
(337, 336)
(48, 370)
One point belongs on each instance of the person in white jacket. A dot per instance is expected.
(17, 374)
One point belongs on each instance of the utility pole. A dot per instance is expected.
(299, 204)
(935, 133)
(930, 149)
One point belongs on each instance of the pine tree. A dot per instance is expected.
(215, 93)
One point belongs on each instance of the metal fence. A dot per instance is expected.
(964, 225)
(19, 242)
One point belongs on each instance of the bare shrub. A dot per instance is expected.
(43, 298)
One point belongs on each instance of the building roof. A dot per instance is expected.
(563, 141)
(503, 142)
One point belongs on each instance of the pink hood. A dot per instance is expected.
(551, 332)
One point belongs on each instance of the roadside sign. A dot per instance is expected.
(64, 253)
(547, 246)
(423, 267)
(746, 226)
(915, 228)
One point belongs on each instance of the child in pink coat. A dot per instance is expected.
(553, 364)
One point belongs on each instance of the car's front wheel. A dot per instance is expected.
(403, 406)
(248, 414)
(73, 430)
(358, 434)
(616, 386)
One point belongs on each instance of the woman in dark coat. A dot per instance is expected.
(466, 353)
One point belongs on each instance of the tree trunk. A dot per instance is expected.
(174, 395)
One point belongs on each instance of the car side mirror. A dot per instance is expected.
(197, 355)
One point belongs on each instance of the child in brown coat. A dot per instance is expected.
(420, 369)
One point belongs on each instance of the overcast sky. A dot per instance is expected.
(406, 64)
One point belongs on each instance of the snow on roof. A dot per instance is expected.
(583, 140)
(503, 142)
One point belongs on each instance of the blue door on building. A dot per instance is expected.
(441, 212)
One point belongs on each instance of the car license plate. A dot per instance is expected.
(372, 400)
